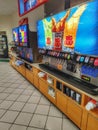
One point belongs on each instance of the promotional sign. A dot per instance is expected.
(81, 29)
(73, 30)
(15, 33)
(25, 6)
(87, 32)
(23, 35)
(26, 53)
(47, 26)
(58, 23)
(50, 32)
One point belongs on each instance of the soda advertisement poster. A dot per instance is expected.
(73, 30)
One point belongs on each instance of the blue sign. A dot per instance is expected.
(78, 28)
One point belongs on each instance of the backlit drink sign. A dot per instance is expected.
(73, 30)
(58, 30)
(58, 41)
(69, 40)
(25, 6)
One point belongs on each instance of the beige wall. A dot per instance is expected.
(33, 16)
(76, 2)
(5, 25)
(10, 21)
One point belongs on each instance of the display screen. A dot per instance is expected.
(30, 4)
(86, 78)
(50, 32)
(25, 6)
(23, 35)
(21, 7)
(21, 52)
(29, 55)
(87, 32)
(81, 29)
(44, 33)
(15, 33)
(73, 30)
(26, 53)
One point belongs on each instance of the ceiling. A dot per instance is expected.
(7, 7)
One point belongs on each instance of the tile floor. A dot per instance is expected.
(23, 107)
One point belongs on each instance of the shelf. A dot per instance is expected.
(51, 92)
(94, 112)
(42, 76)
(59, 85)
(50, 80)
(66, 97)
(86, 87)
(29, 67)
(72, 94)
(92, 123)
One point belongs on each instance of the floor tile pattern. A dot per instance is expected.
(23, 107)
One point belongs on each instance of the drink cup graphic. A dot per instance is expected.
(57, 31)
(71, 26)
(48, 33)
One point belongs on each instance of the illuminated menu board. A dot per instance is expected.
(73, 30)
(25, 6)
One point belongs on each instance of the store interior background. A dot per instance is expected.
(9, 17)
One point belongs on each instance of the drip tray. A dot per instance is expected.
(87, 87)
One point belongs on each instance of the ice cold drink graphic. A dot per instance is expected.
(57, 31)
(71, 26)
(48, 33)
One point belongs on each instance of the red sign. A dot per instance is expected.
(58, 41)
(69, 41)
(23, 21)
